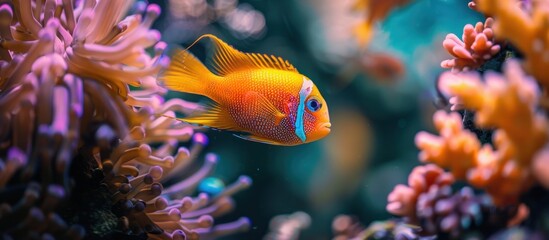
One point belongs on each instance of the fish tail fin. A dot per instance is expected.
(187, 74)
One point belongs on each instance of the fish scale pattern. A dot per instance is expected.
(282, 87)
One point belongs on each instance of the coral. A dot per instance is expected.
(504, 169)
(509, 170)
(288, 227)
(540, 166)
(517, 233)
(428, 202)
(472, 5)
(347, 227)
(423, 179)
(526, 29)
(84, 123)
(477, 46)
(455, 148)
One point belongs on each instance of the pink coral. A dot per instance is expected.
(477, 46)
(429, 202)
(403, 199)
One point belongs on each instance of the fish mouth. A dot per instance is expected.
(326, 127)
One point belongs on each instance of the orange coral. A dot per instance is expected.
(504, 102)
(526, 31)
(455, 148)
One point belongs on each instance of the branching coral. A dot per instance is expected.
(477, 46)
(72, 126)
(428, 202)
(526, 30)
(504, 172)
(423, 179)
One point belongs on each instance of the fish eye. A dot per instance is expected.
(313, 105)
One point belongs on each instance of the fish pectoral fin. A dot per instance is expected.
(258, 139)
(214, 116)
(261, 106)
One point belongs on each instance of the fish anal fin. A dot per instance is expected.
(228, 60)
(258, 139)
(261, 106)
(214, 116)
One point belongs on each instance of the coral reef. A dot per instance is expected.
(85, 126)
(508, 167)
(504, 169)
(507, 174)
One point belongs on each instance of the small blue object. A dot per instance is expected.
(211, 186)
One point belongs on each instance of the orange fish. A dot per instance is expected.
(263, 98)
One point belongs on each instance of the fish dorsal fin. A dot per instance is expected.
(228, 60)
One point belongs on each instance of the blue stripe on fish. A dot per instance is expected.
(304, 92)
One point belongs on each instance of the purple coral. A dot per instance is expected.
(430, 203)
(347, 227)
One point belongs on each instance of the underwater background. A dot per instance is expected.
(371, 147)
(438, 108)
(374, 121)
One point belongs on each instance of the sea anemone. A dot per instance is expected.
(85, 125)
